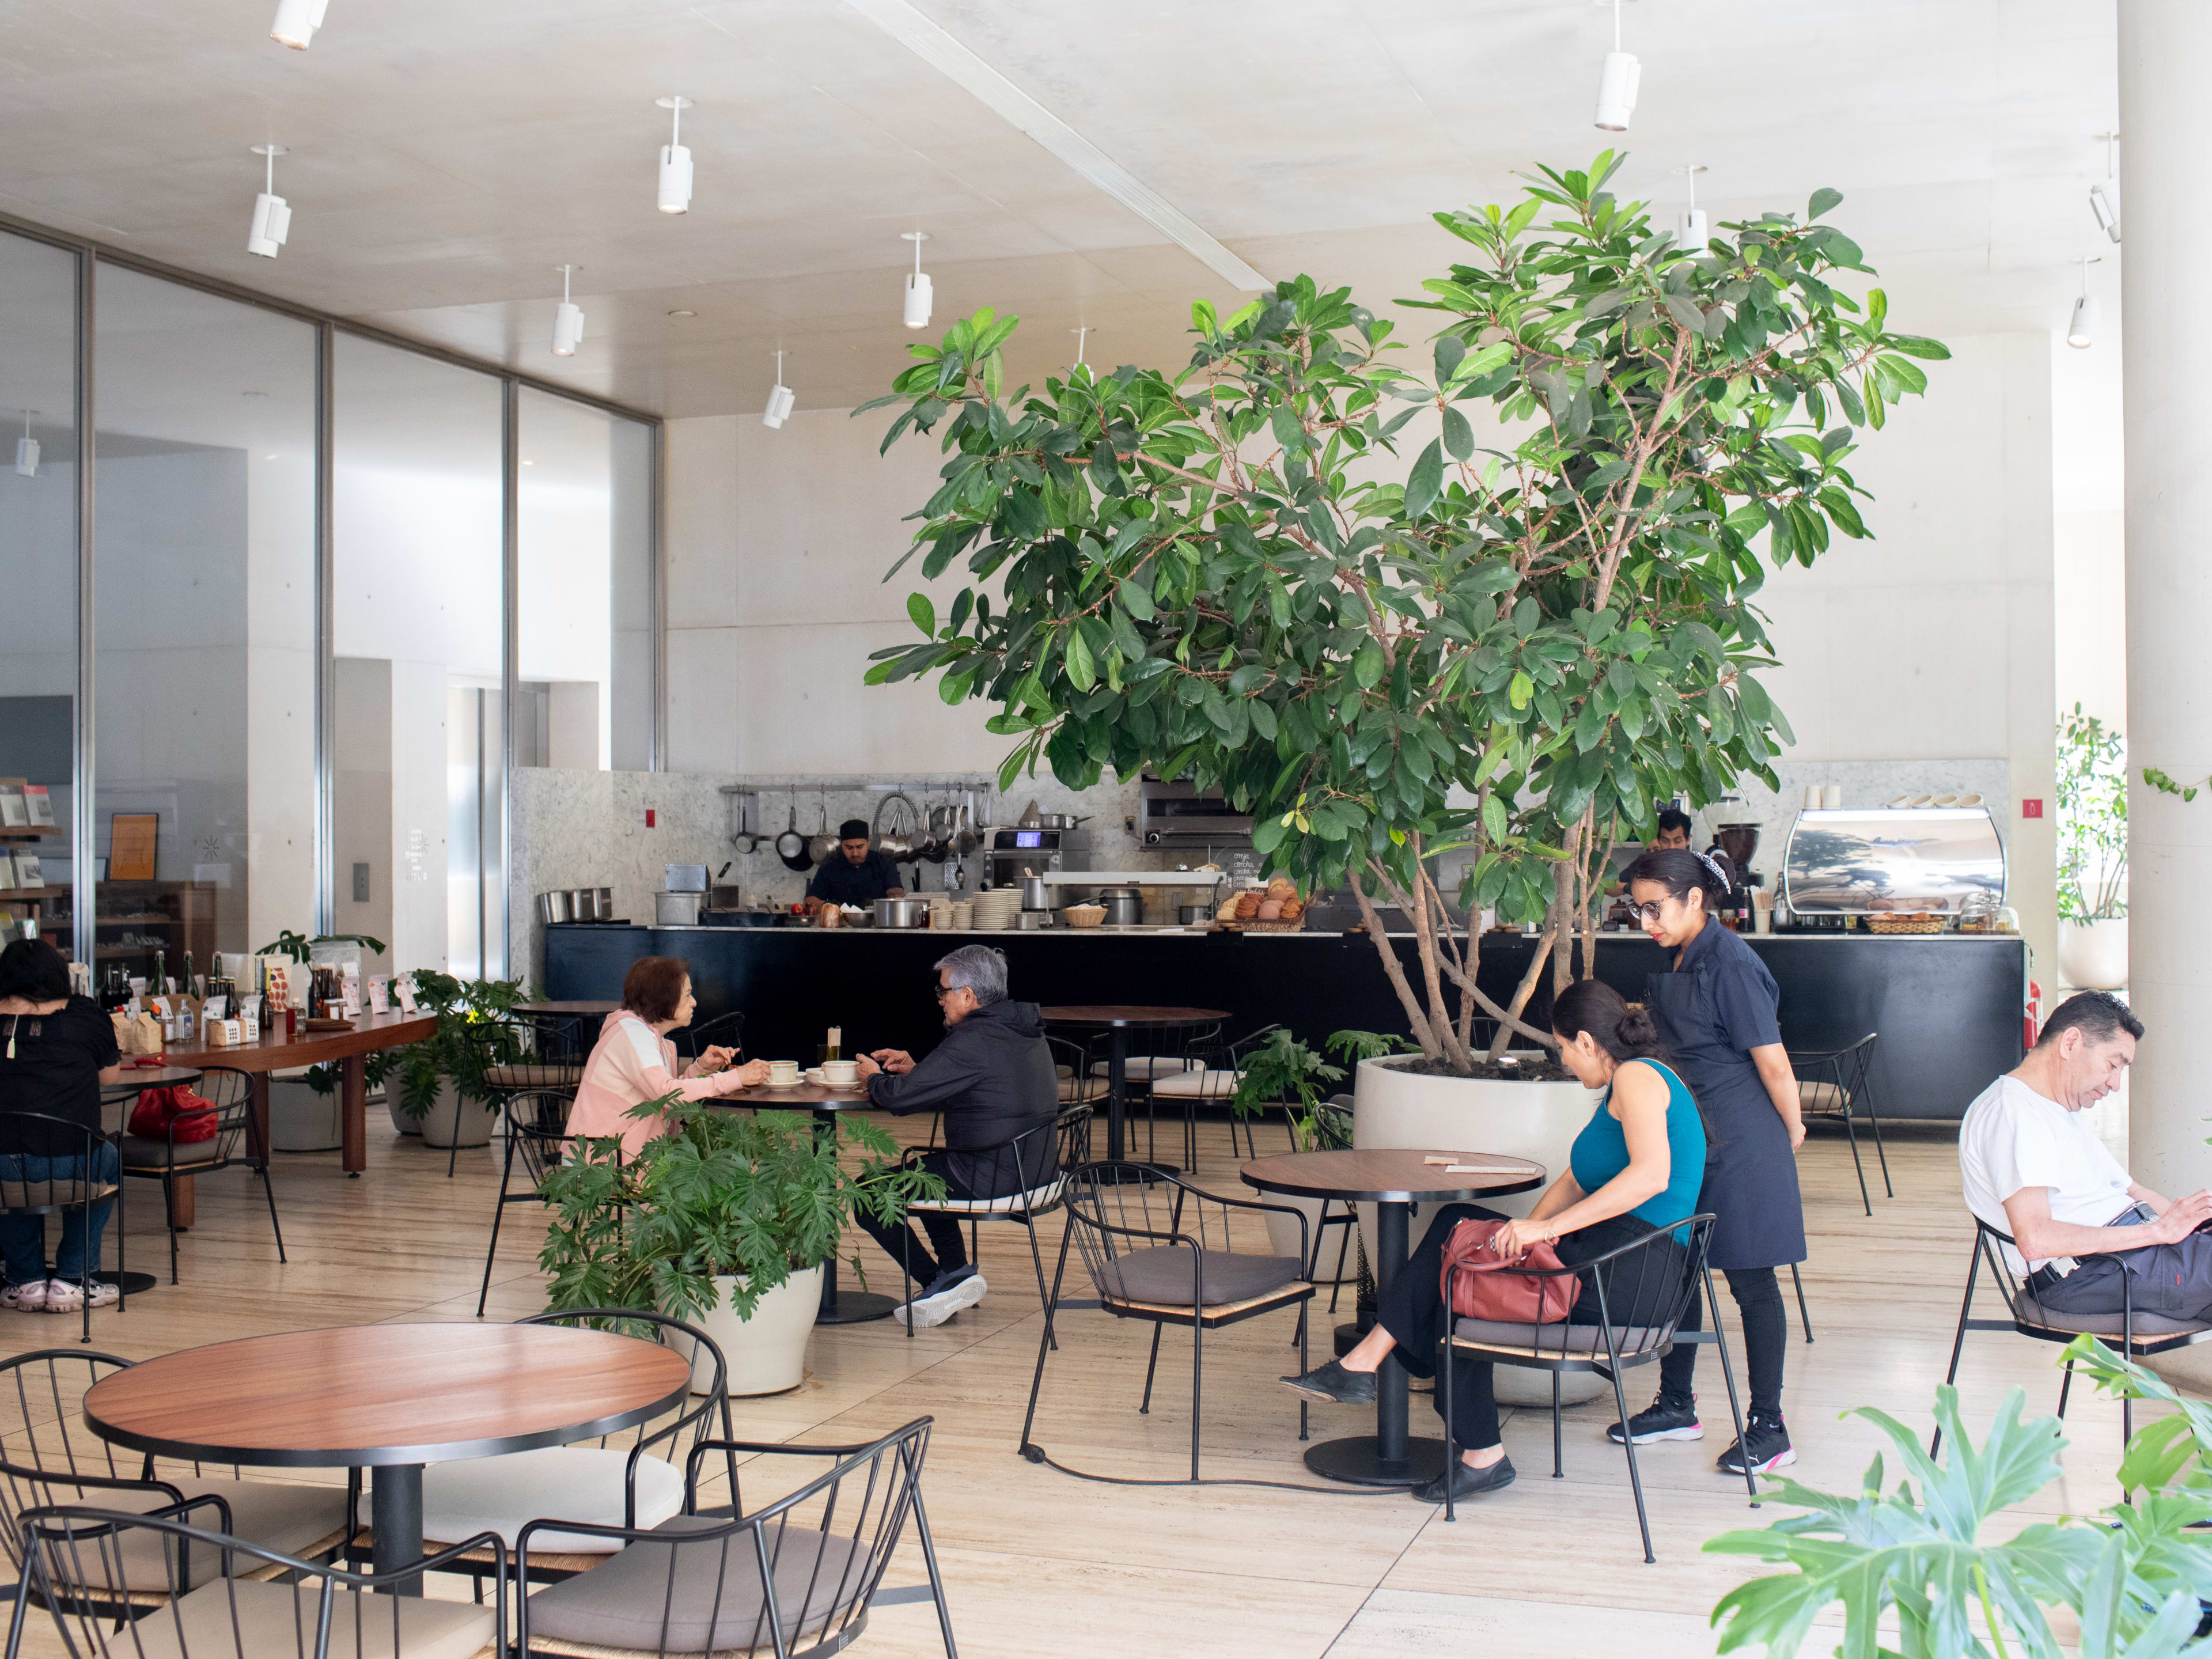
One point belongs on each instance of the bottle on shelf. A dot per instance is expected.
(157, 983)
(190, 985)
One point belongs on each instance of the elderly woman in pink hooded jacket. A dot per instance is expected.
(635, 1061)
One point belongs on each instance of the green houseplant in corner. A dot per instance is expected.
(437, 1085)
(724, 1223)
(2093, 852)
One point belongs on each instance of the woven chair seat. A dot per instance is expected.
(1198, 1085)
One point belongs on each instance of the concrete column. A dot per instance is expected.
(2165, 58)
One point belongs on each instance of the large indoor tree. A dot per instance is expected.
(1516, 649)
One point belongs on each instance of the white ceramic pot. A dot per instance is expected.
(767, 1354)
(2093, 956)
(299, 1120)
(452, 1122)
(1538, 1121)
(1283, 1237)
(401, 1123)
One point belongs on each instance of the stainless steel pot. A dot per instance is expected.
(1034, 895)
(676, 909)
(584, 904)
(557, 906)
(1125, 906)
(605, 905)
(902, 913)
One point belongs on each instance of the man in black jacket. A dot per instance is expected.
(992, 1079)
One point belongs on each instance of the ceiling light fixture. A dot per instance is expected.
(568, 320)
(917, 283)
(27, 448)
(779, 400)
(1616, 86)
(272, 218)
(683, 312)
(1082, 337)
(1695, 231)
(297, 22)
(675, 159)
(2081, 327)
(2105, 197)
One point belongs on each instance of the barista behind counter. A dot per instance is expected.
(855, 874)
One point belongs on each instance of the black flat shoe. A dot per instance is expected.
(1332, 1385)
(1466, 1482)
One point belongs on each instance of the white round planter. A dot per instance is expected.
(452, 1122)
(401, 1123)
(1283, 1237)
(1538, 1121)
(299, 1120)
(767, 1354)
(2093, 956)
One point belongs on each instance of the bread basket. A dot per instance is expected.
(1084, 915)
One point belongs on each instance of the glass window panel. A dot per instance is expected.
(204, 695)
(38, 580)
(417, 779)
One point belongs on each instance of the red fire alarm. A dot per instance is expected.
(2028, 809)
(2035, 814)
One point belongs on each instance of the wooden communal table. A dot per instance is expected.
(1119, 1021)
(574, 1008)
(838, 1307)
(391, 1398)
(351, 1049)
(1393, 1181)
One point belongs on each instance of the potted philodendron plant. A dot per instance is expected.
(1512, 650)
(723, 1222)
(2093, 852)
(436, 1088)
(303, 1110)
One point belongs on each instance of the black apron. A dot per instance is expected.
(1750, 1175)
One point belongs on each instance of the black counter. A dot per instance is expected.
(1947, 1008)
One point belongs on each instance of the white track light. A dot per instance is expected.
(917, 283)
(568, 320)
(779, 400)
(2081, 327)
(297, 22)
(675, 159)
(272, 218)
(27, 448)
(1082, 339)
(2105, 196)
(1693, 230)
(1616, 86)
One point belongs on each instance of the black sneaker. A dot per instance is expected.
(1332, 1385)
(1767, 1443)
(1669, 1417)
(1465, 1482)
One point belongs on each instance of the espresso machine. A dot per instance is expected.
(1010, 855)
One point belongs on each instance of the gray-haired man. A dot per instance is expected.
(993, 1078)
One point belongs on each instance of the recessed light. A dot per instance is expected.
(684, 313)
(530, 464)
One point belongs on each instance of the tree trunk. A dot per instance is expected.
(1424, 1034)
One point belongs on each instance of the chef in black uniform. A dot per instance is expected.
(1716, 1011)
(856, 874)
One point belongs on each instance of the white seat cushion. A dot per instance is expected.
(1143, 1066)
(1074, 1091)
(275, 1619)
(1035, 1199)
(292, 1519)
(555, 1483)
(1199, 1086)
(1824, 1098)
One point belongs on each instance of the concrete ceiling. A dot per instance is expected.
(447, 157)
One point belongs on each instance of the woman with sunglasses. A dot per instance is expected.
(1716, 1011)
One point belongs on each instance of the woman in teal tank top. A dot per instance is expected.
(1600, 1151)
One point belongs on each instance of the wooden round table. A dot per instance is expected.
(387, 1397)
(838, 1307)
(1394, 1181)
(1118, 1022)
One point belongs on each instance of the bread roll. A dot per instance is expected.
(1282, 887)
(1271, 909)
(1248, 906)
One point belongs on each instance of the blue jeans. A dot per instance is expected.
(23, 1237)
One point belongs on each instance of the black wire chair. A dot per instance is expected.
(1332, 1130)
(225, 1597)
(1644, 1289)
(797, 1576)
(1157, 1249)
(49, 1458)
(1212, 1077)
(1833, 1083)
(727, 1030)
(2135, 1334)
(33, 1134)
(1036, 1163)
(229, 1095)
(1166, 1054)
(536, 1138)
(542, 1051)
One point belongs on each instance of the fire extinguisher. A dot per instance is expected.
(2032, 1021)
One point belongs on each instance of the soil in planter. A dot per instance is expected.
(1529, 1069)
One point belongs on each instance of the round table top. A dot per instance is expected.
(1107, 1013)
(1392, 1175)
(581, 1005)
(363, 1395)
(816, 1096)
(149, 1077)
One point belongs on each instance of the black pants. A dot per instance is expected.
(1412, 1311)
(945, 1235)
(1765, 1338)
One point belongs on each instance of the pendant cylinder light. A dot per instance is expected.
(675, 161)
(26, 449)
(2105, 196)
(272, 217)
(568, 320)
(779, 400)
(2081, 326)
(1692, 228)
(1617, 83)
(297, 22)
(917, 296)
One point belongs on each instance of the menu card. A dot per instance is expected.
(38, 803)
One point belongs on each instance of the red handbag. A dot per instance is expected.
(158, 1108)
(1494, 1290)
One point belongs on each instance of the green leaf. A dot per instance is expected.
(1368, 664)
(923, 612)
(1137, 599)
(1081, 671)
(1521, 690)
(1427, 480)
(1914, 345)
(1459, 437)
(1823, 199)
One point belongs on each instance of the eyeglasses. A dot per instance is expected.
(945, 991)
(1642, 913)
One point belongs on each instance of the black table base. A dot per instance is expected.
(129, 1283)
(852, 1307)
(1359, 1460)
(395, 1517)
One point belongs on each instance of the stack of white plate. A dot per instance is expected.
(963, 915)
(996, 909)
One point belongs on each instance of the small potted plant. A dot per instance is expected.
(303, 1109)
(725, 1223)
(436, 1087)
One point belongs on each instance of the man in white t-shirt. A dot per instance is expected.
(2031, 1168)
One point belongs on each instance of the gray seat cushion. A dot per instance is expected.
(2028, 1311)
(1564, 1340)
(642, 1601)
(139, 1154)
(279, 1620)
(1161, 1276)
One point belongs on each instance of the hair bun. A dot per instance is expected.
(1637, 1028)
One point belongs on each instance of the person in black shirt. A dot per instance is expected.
(56, 1050)
(857, 874)
(993, 1078)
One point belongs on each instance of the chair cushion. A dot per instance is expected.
(559, 1483)
(532, 1074)
(139, 1154)
(1556, 1339)
(1822, 1097)
(2028, 1311)
(631, 1604)
(1161, 1276)
(291, 1519)
(1145, 1067)
(1074, 1091)
(48, 1194)
(1037, 1198)
(270, 1620)
(1198, 1085)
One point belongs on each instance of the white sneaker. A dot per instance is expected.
(924, 1311)
(25, 1299)
(65, 1295)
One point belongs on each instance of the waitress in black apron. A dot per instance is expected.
(1716, 1011)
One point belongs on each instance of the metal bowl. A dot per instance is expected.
(902, 913)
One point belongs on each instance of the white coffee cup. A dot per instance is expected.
(782, 1074)
(840, 1073)
(1831, 797)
